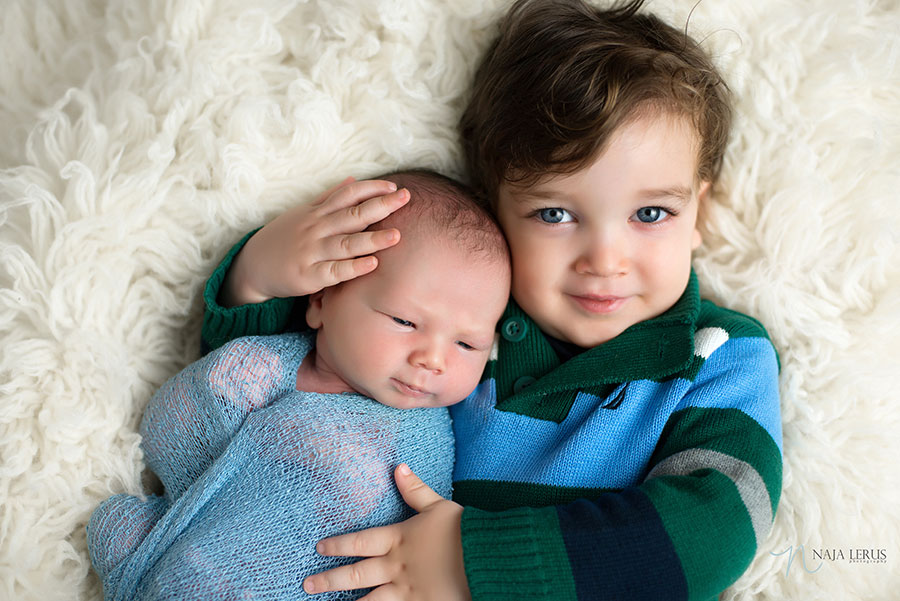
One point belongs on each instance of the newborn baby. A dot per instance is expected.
(269, 444)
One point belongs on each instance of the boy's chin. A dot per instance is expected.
(584, 333)
(592, 339)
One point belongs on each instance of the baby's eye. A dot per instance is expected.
(467, 347)
(652, 214)
(555, 215)
(403, 322)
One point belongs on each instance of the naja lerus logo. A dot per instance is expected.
(811, 560)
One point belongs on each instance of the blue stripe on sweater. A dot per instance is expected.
(603, 536)
(592, 447)
(750, 383)
(603, 448)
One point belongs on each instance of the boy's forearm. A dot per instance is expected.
(679, 538)
(222, 323)
(684, 537)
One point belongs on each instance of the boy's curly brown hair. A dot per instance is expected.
(563, 75)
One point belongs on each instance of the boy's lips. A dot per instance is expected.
(409, 389)
(594, 303)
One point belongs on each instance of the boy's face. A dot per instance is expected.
(417, 331)
(609, 246)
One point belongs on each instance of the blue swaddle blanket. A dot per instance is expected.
(255, 473)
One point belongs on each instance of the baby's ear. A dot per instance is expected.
(314, 310)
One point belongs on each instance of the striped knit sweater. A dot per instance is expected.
(646, 468)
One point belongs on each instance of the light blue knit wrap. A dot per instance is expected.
(255, 473)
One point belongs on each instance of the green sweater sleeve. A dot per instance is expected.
(221, 324)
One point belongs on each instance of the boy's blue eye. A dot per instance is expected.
(403, 322)
(554, 215)
(651, 214)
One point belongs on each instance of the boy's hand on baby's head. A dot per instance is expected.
(419, 559)
(315, 245)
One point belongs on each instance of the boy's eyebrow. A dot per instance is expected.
(681, 194)
(523, 195)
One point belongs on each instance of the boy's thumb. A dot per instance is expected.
(416, 493)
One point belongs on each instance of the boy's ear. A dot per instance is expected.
(314, 310)
(702, 195)
(703, 192)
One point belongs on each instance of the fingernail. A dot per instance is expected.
(404, 469)
(308, 586)
(392, 186)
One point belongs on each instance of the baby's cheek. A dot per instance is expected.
(469, 374)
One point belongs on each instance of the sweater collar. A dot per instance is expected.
(529, 369)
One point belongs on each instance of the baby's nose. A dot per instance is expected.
(428, 357)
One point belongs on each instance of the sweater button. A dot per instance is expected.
(514, 329)
(523, 383)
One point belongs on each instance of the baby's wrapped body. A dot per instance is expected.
(255, 473)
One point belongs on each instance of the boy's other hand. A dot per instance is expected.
(419, 559)
(315, 245)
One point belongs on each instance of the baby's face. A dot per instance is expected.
(416, 332)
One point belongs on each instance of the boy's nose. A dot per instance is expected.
(604, 254)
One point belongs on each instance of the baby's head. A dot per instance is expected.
(418, 331)
(595, 135)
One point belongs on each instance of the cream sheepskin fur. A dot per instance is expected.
(142, 139)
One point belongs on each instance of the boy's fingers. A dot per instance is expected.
(324, 195)
(365, 543)
(416, 493)
(335, 272)
(355, 192)
(362, 574)
(346, 246)
(358, 217)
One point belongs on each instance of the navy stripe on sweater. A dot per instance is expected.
(602, 535)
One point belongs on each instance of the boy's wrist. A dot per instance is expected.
(237, 291)
(515, 554)
(228, 284)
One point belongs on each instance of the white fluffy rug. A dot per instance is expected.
(142, 138)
